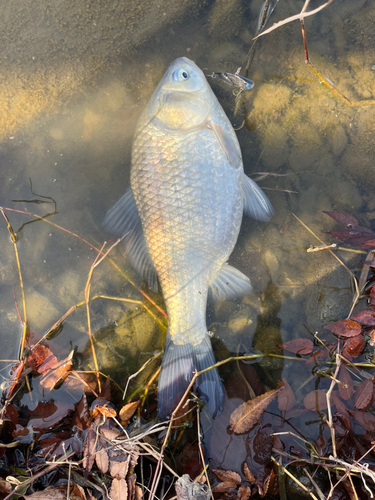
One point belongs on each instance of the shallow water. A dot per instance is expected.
(76, 149)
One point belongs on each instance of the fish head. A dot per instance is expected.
(183, 99)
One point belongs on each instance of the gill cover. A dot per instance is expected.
(182, 100)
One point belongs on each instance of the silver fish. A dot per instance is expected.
(181, 218)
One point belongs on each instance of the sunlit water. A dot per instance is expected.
(76, 149)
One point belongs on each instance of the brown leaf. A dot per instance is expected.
(317, 356)
(5, 487)
(57, 374)
(223, 487)
(118, 465)
(131, 486)
(41, 359)
(127, 412)
(77, 492)
(271, 485)
(355, 345)
(298, 346)
(286, 399)
(54, 415)
(139, 493)
(365, 317)
(81, 417)
(248, 475)
(49, 493)
(89, 448)
(344, 377)
(101, 456)
(365, 419)
(228, 476)
(244, 492)
(372, 297)
(316, 400)
(119, 489)
(364, 394)
(340, 406)
(342, 218)
(344, 328)
(246, 415)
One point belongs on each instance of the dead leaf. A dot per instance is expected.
(316, 400)
(248, 475)
(342, 218)
(41, 359)
(271, 485)
(119, 489)
(57, 374)
(228, 476)
(89, 448)
(355, 345)
(365, 317)
(372, 297)
(223, 487)
(101, 456)
(127, 412)
(344, 328)
(365, 419)
(317, 356)
(344, 377)
(286, 399)
(244, 492)
(54, 415)
(246, 415)
(364, 394)
(118, 464)
(5, 487)
(49, 493)
(81, 417)
(298, 346)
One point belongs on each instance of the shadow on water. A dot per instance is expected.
(74, 82)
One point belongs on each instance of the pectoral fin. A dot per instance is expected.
(122, 219)
(229, 283)
(228, 143)
(256, 203)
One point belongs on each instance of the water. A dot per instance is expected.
(70, 109)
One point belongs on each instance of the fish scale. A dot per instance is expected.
(181, 219)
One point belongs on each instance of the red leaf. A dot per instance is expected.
(298, 346)
(342, 218)
(365, 317)
(344, 377)
(345, 328)
(286, 399)
(57, 373)
(340, 406)
(355, 345)
(364, 394)
(372, 297)
(317, 356)
(367, 420)
(316, 400)
(40, 358)
(43, 423)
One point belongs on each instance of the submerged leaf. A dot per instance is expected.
(41, 359)
(372, 297)
(248, 475)
(228, 476)
(365, 419)
(365, 317)
(364, 394)
(344, 328)
(49, 493)
(342, 218)
(286, 399)
(57, 373)
(354, 345)
(298, 346)
(346, 391)
(223, 487)
(316, 400)
(244, 492)
(246, 415)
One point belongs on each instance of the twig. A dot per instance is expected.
(328, 397)
(301, 15)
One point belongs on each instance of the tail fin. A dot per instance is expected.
(179, 363)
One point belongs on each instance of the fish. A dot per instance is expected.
(180, 220)
(235, 79)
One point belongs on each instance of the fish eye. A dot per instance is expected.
(180, 75)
